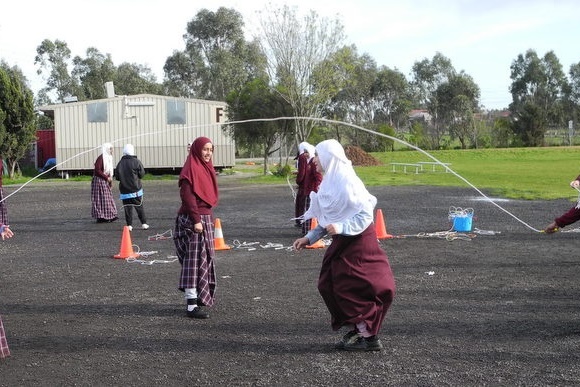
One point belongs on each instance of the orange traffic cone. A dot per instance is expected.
(380, 226)
(126, 250)
(318, 244)
(220, 244)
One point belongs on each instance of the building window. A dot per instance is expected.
(175, 112)
(97, 112)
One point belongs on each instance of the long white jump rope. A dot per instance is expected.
(122, 140)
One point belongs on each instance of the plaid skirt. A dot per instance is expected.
(3, 209)
(4, 351)
(196, 252)
(103, 204)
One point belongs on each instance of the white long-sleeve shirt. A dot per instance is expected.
(353, 226)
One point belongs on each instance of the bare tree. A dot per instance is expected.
(294, 47)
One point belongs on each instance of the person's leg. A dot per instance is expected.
(141, 211)
(128, 207)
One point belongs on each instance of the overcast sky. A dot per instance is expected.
(480, 37)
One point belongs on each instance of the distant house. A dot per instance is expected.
(421, 115)
(159, 127)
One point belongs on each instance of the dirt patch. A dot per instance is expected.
(359, 157)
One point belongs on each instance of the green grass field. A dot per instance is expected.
(517, 173)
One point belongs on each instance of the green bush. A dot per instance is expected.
(282, 171)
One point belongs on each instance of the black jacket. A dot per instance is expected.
(129, 172)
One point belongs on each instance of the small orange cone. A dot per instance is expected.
(126, 250)
(318, 244)
(380, 225)
(220, 244)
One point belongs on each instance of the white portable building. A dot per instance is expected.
(159, 127)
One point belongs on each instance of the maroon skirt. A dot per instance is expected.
(356, 281)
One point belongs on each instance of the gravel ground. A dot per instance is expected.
(499, 307)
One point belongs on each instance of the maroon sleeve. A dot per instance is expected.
(99, 168)
(317, 180)
(302, 169)
(189, 201)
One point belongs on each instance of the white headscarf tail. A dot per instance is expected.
(107, 158)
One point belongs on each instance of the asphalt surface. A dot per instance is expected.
(496, 307)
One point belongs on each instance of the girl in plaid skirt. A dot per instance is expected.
(194, 228)
(103, 204)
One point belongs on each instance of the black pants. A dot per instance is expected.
(137, 204)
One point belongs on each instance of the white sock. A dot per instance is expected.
(190, 293)
(362, 329)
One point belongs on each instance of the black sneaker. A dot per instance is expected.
(364, 344)
(197, 312)
(349, 337)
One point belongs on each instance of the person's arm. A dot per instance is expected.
(5, 232)
(302, 168)
(189, 201)
(311, 237)
(117, 171)
(141, 171)
(99, 170)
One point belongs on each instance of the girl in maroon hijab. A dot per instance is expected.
(194, 228)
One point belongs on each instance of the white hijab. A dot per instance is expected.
(129, 150)
(342, 194)
(310, 149)
(107, 158)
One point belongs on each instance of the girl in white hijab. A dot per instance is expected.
(103, 205)
(356, 281)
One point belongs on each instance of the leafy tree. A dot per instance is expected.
(89, 75)
(529, 125)
(458, 100)
(391, 96)
(350, 78)
(294, 48)
(132, 78)
(93, 72)
(501, 135)
(538, 87)
(572, 95)
(216, 59)
(257, 100)
(427, 76)
(53, 58)
(17, 118)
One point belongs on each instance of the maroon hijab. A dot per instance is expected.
(201, 175)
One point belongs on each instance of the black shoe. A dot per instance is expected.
(364, 344)
(349, 337)
(101, 220)
(112, 220)
(197, 312)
